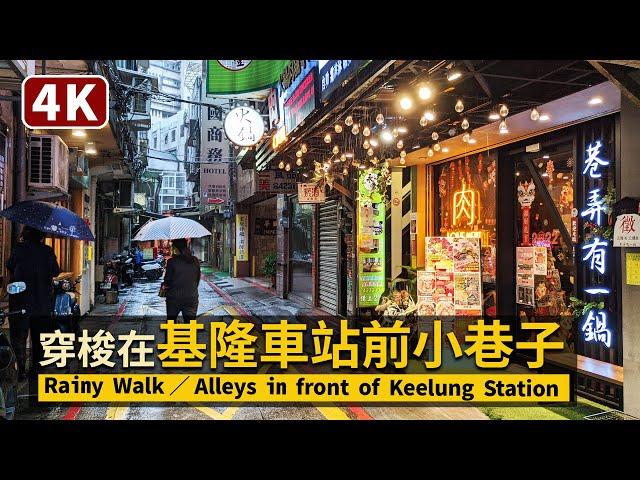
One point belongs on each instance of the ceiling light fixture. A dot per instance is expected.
(453, 75)
(494, 116)
(90, 149)
(387, 136)
(429, 115)
(595, 101)
(544, 117)
(76, 132)
(424, 92)
(406, 103)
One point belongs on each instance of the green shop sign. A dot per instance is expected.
(371, 258)
(232, 77)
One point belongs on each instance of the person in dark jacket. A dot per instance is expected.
(35, 264)
(181, 281)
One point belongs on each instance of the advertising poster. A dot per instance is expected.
(371, 257)
(466, 254)
(540, 260)
(310, 193)
(524, 260)
(525, 279)
(425, 289)
(438, 254)
(524, 295)
(443, 293)
(468, 293)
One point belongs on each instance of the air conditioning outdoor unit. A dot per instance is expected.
(48, 163)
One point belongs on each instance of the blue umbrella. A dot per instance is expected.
(49, 218)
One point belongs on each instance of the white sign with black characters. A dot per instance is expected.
(244, 126)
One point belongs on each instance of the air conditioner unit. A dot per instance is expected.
(48, 163)
(141, 101)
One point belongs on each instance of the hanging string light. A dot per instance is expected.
(423, 121)
(287, 167)
(299, 162)
(465, 124)
(465, 137)
(436, 147)
(535, 114)
(356, 129)
(429, 115)
(303, 147)
(338, 128)
(366, 144)
(370, 152)
(327, 138)
(434, 136)
(335, 150)
(348, 121)
(503, 127)
(366, 131)
(299, 154)
(430, 152)
(400, 144)
(504, 111)
(379, 119)
(459, 106)
(281, 165)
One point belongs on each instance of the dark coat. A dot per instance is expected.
(182, 277)
(35, 264)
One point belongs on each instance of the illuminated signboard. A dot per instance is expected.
(301, 102)
(594, 325)
(334, 73)
(371, 255)
(465, 206)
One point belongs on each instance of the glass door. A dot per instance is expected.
(300, 249)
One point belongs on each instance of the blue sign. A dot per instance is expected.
(334, 73)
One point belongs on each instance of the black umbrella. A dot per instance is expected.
(49, 218)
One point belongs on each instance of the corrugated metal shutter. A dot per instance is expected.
(328, 256)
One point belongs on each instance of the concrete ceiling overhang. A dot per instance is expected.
(624, 74)
(569, 110)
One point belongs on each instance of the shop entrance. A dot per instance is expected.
(300, 250)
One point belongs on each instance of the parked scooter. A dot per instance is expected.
(66, 310)
(9, 363)
(110, 280)
(149, 269)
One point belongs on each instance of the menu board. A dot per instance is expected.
(371, 257)
(451, 283)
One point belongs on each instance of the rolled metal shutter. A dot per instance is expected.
(328, 257)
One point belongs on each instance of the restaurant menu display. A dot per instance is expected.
(371, 258)
(451, 283)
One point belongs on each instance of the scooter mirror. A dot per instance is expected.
(16, 287)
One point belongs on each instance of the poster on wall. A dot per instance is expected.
(438, 254)
(242, 246)
(310, 193)
(524, 260)
(371, 257)
(451, 283)
(524, 295)
(540, 260)
(525, 269)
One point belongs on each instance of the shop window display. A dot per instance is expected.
(466, 199)
(546, 216)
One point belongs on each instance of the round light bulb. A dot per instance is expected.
(327, 138)
(400, 144)
(452, 132)
(535, 114)
(303, 147)
(366, 144)
(356, 129)
(287, 167)
(338, 128)
(436, 147)
(299, 162)
(465, 124)
(503, 127)
(434, 136)
(504, 111)
(423, 121)
(395, 133)
(379, 119)
(387, 136)
(465, 137)
(335, 150)
(424, 92)
(348, 121)
(430, 152)
(299, 154)
(403, 154)
(459, 106)
(345, 171)
(366, 131)
(343, 157)
(402, 161)
(370, 152)
(406, 103)
(429, 115)
(281, 165)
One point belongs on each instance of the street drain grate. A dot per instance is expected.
(611, 415)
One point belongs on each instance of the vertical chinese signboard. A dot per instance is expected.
(594, 325)
(214, 183)
(371, 258)
(242, 239)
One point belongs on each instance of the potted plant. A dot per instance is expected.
(269, 267)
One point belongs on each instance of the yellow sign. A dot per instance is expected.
(242, 237)
(633, 268)
(465, 205)
(278, 138)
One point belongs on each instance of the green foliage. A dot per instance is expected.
(269, 264)
(581, 308)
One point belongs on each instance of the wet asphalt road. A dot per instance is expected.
(141, 309)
